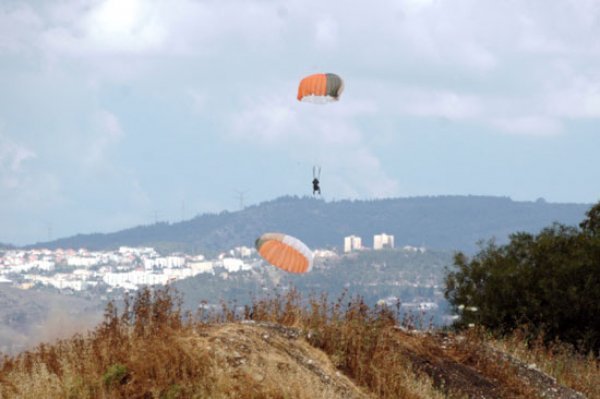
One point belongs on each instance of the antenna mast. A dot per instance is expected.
(241, 196)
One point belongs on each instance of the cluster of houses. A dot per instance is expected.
(130, 268)
(126, 267)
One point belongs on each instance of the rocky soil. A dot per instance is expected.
(263, 353)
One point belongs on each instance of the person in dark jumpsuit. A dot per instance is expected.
(316, 188)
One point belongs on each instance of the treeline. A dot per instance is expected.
(548, 283)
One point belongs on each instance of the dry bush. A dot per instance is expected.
(359, 340)
(135, 354)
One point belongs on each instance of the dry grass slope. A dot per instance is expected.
(280, 347)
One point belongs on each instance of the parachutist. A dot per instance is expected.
(316, 188)
(315, 182)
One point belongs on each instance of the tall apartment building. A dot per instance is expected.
(352, 243)
(383, 240)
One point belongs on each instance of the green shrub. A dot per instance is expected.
(116, 374)
(172, 392)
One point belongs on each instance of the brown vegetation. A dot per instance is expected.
(281, 347)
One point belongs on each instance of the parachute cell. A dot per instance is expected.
(320, 88)
(285, 252)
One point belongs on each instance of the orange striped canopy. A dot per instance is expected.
(320, 88)
(285, 252)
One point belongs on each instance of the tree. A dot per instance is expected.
(549, 282)
(591, 225)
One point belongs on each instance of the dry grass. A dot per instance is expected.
(151, 350)
(559, 360)
(362, 342)
(135, 354)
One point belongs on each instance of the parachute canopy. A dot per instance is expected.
(320, 88)
(285, 252)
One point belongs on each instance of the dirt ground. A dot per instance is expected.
(264, 353)
(269, 355)
(475, 370)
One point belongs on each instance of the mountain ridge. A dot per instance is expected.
(441, 222)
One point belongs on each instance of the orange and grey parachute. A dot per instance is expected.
(320, 88)
(285, 252)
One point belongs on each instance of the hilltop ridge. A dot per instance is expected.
(441, 222)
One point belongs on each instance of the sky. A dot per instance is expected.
(116, 113)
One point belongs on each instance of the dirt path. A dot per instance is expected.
(476, 370)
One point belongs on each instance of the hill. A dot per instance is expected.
(278, 348)
(445, 222)
(28, 317)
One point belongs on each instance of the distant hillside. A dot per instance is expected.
(409, 276)
(29, 316)
(6, 246)
(445, 222)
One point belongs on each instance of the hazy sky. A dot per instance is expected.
(114, 112)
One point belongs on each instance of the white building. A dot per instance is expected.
(242, 252)
(234, 265)
(324, 253)
(20, 268)
(164, 262)
(383, 240)
(409, 248)
(135, 277)
(60, 281)
(202, 267)
(148, 251)
(352, 243)
(75, 285)
(85, 261)
(44, 264)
